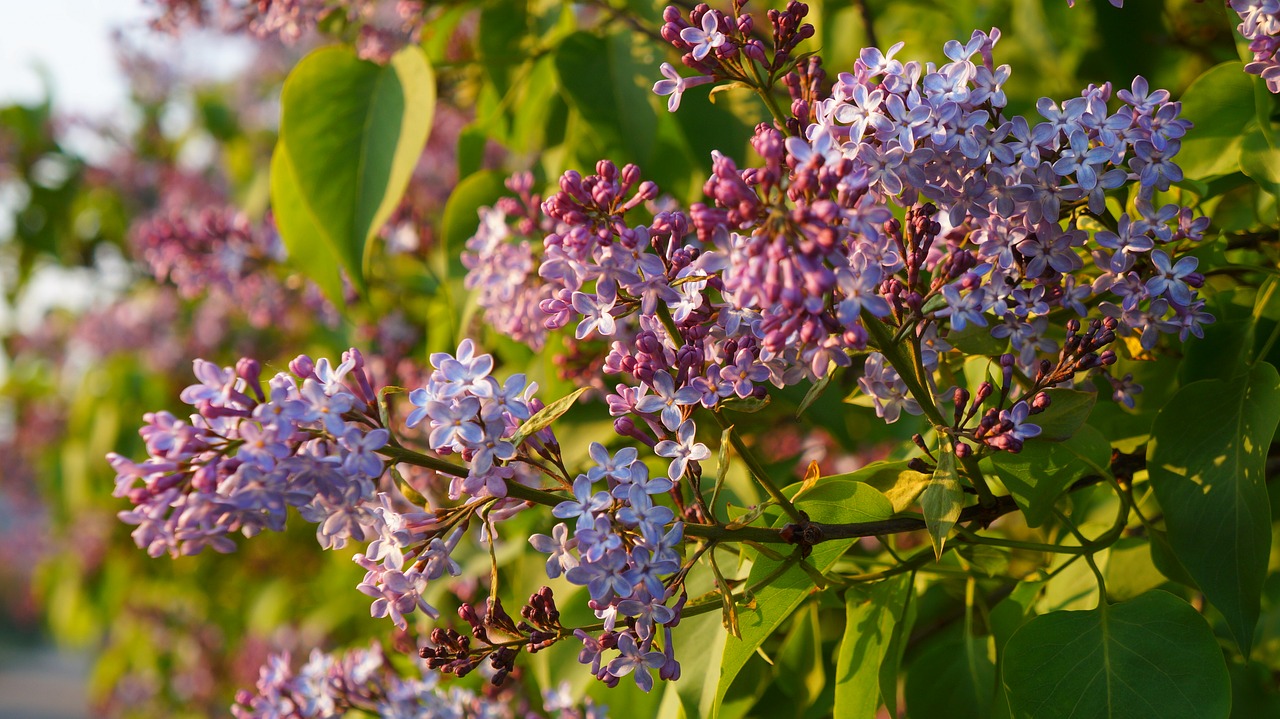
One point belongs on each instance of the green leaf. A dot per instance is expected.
(942, 499)
(602, 81)
(891, 667)
(976, 340)
(352, 132)
(951, 678)
(829, 501)
(1260, 160)
(697, 689)
(1038, 474)
(1153, 656)
(1220, 103)
(814, 393)
(303, 240)
(461, 212)
(1207, 464)
(545, 416)
(745, 405)
(1067, 412)
(870, 617)
(895, 480)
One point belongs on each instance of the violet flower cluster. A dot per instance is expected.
(217, 252)
(330, 685)
(621, 547)
(1260, 25)
(776, 277)
(502, 264)
(309, 440)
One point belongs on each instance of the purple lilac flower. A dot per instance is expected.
(684, 449)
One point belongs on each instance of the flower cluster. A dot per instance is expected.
(620, 549)
(331, 685)
(470, 413)
(217, 252)
(1260, 25)
(384, 26)
(308, 441)
(502, 265)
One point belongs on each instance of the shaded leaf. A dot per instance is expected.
(1220, 103)
(870, 618)
(828, 502)
(1042, 471)
(1067, 412)
(1153, 656)
(942, 499)
(1206, 461)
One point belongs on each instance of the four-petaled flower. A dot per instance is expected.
(681, 451)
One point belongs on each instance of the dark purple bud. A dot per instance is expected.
(963, 450)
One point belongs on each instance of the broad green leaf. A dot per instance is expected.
(830, 501)
(895, 480)
(891, 667)
(952, 678)
(503, 25)
(942, 499)
(545, 416)
(1153, 656)
(461, 212)
(977, 340)
(1129, 570)
(1068, 410)
(1038, 474)
(602, 81)
(307, 248)
(870, 616)
(1260, 160)
(1220, 103)
(1207, 464)
(352, 131)
(697, 689)
(800, 658)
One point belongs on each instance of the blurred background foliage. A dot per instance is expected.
(528, 85)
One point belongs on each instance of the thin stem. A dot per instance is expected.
(757, 470)
(904, 366)
(399, 453)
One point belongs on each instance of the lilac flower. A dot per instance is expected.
(642, 510)
(330, 408)
(603, 577)
(1171, 277)
(397, 593)
(963, 309)
(674, 85)
(666, 399)
(1017, 415)
(585, 504)
(617, 466)
(639, 477)
(598, 539)
(633, 659)
(453, 423)
(706, 39)
(558, 545)
(595, 312)
(681, 451)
